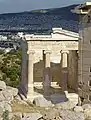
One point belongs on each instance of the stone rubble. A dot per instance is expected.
(87, 113)
(42, 102)
(31, 116)
(63, 115)
(71, 115)
(64, 110)
(78, 109)
(66, 105)
(2, 85)
(86, 106)
(7, 95)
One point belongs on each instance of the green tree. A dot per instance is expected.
(10, 67)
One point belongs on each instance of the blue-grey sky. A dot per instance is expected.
(27, 5)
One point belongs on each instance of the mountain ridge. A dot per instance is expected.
(48, 10)
(45, 19)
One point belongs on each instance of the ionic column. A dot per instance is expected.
(47, 76)
(30, 90)
(64, 69)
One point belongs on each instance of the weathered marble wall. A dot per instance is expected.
(73, 70)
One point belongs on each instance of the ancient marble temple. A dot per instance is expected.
(49, 59)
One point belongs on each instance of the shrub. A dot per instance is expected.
(10, 67)
(5, 115)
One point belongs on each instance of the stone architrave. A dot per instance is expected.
(64, 73)
(47, 75)
(30, 90)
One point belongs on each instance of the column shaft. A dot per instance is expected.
(47, 61)
(64, 60)
(30, 73)
(64, 73)
(47, 76)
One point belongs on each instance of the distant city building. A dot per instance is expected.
(84, 62)
(3, 37)
(7, 46)
(20, 34)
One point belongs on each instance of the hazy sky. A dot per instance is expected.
(25, 5)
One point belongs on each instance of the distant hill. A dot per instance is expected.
(64, 12)
(40, 20)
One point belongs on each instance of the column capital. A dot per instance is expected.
(30, 52)
(64, 51)
(47, 52)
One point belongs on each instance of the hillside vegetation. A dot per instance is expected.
(10, 67)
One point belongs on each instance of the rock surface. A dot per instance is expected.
(2, 85)
(31, 116)
(53, 114)
(86, 106)
(5, 106)
(7, 95)
(15, 114)
(78, 109)
(13, 91)
(63, 115)
(55, 109)
(2, 97)
(70, 115)
(66, 105)
(87, 113)
(42, 102)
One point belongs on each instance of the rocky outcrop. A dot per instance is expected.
(66, 105)
(31, 116)
(2, 85)
(42, 102)
(78, 109)
(63, 115)
(71, 115)
(86, 106)
(7, 95)
(67, 110)
(13, 91)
